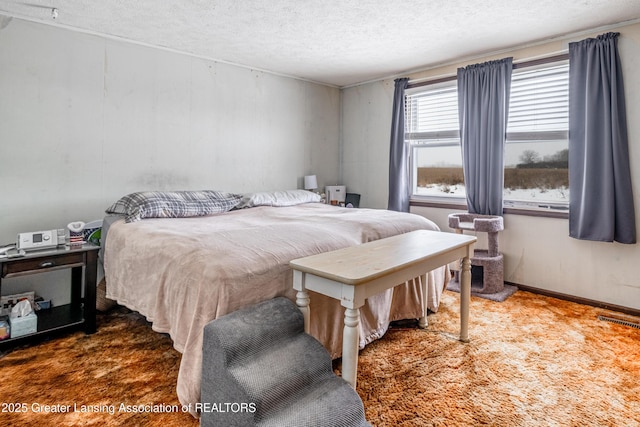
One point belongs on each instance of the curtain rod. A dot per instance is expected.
(548, 59)
(524, 64)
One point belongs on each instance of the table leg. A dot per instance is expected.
(90, 277)
(302, 298)
(76, 286)
(465, 298)
(423, 322)
(350, 345)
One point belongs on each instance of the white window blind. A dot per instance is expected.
(539, 103)
(431, 115)
(538, 108)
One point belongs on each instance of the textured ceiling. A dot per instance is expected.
(336, 42)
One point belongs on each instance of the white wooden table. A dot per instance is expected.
(355, 273)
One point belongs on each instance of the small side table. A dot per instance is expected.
(81, 311)
(353, 274)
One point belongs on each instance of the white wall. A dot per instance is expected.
(365, 138)
(538, 251)
(85, 120)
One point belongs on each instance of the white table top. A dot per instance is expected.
(363, 263)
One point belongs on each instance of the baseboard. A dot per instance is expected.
(579, 300)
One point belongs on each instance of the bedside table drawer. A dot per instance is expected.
(53, 262)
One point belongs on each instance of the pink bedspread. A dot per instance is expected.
(182, 273)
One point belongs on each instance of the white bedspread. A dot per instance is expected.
(182, 273)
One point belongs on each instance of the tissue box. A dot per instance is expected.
(7, 302)
(23, 325)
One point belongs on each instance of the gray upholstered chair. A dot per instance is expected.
(266, 371)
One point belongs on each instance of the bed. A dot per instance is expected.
(180, 273)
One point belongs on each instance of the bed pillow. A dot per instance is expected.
(173, 204)
(279, 198)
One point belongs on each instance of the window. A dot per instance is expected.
(536, 150)
(432, 130)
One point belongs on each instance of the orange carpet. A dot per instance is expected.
(532, 361)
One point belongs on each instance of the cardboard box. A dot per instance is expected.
(8, 301)
(24, 325)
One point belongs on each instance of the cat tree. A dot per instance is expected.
(491, 260)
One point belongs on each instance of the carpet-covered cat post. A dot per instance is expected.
(491, 260)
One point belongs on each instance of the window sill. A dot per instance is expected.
(460, 204)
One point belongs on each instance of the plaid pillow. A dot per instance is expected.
(173, 204)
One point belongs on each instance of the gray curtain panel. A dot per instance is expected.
(483, 106)
(399, 190)
(601, 205)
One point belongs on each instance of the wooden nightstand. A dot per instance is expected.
(81, 311)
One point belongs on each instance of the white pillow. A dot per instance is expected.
(279, 198)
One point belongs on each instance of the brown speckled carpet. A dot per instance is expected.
(532, 361)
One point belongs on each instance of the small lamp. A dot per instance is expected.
(310, 182)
